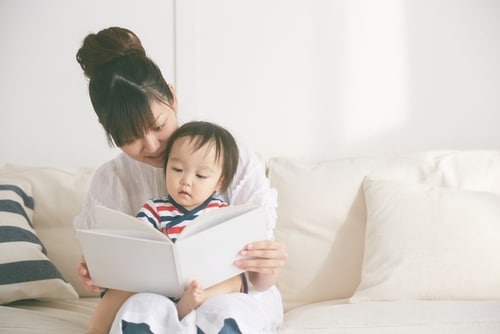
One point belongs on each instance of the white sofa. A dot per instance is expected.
(394, 244)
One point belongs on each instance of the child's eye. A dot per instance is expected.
(177, 170)
(201, 176)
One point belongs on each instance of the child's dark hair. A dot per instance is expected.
(202, 133)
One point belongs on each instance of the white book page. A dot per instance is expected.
(125, 253)
(208, 256)
(124, 262)
(212, 218)
(109, 219)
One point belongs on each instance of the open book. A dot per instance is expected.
(125, 253)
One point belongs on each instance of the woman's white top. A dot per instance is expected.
(125, 184)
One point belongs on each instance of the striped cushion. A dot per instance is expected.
(25, 270)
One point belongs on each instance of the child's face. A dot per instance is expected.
(192, 176)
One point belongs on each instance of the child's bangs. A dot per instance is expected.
(206, 138)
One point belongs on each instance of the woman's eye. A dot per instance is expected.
(159, 127)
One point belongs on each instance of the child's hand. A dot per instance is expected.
(192, 298)
(84, 277)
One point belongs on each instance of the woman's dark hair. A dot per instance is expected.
(105, 46)
(123, 82)
(203, 133)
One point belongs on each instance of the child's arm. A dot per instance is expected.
(106, 310)
(194, 294)
(230, 285)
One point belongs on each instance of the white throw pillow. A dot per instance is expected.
(428, 242)
(25, 270)
(321, 219)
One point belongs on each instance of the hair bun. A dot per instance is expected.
(106, 46)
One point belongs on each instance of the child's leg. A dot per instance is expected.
(105, 312)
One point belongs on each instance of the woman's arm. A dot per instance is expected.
(84, 277)
(266, 258)
(251, 185)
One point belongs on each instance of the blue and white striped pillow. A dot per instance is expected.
(25, 270)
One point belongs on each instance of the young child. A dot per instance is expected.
(200, 161)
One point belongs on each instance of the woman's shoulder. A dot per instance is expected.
(125, 184)
(118, 162)
(123, 166)
(249, 157)
(123, 173)
(250, 181)
(107, 176)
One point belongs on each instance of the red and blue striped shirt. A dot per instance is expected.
(170, 217)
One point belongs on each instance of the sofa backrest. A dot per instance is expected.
(322, 214)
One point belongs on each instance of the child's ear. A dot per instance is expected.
(218, 186)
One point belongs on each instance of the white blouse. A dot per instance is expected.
(124, 184)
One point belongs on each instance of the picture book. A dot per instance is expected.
(125, 253)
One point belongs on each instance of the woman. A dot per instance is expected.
(137, 109)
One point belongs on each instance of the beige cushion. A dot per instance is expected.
(429, 242)
(54, 316)
(321, 218)
(398, 317)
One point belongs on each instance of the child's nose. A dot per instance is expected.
(186, 180)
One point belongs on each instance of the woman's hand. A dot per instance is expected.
(263, 262)
(84, 277)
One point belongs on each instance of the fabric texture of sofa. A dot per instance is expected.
(390, 244)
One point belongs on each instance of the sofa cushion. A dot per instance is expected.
(429, 242)
(59, 194)
(25, 270)
(55, 316)
(397, 317)
(321, 219)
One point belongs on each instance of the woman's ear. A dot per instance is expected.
(174, 97)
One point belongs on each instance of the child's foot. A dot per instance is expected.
(191, 299)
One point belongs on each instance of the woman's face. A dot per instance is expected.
(151, 148)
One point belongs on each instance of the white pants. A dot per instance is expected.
(255, 312)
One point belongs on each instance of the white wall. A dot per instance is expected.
(45, 113)
(289, 77)
(345, 77)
